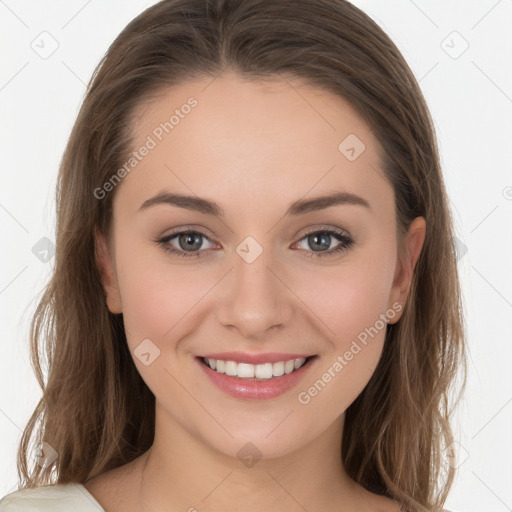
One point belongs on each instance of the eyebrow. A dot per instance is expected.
(298, 207)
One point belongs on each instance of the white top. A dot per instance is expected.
(54, 498)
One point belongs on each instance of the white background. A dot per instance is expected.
(470, 98)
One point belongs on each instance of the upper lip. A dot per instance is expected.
(245, 357)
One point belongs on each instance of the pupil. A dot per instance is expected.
(190, 240)
(325, 238)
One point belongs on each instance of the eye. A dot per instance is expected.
(188, 243)
(320, 240)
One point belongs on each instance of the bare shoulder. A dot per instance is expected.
(115, 489)
(386, 504)
(100, 487)
(380, 503)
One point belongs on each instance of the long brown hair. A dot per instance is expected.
(96, 412)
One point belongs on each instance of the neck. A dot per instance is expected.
(180, 472)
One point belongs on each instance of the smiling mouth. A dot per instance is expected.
(257, 372)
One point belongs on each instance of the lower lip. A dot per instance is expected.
(256, 389)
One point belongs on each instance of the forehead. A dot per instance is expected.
(279, 138)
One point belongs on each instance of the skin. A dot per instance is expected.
(269, 145)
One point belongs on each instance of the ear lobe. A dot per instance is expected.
(108, 277)
(405, 267)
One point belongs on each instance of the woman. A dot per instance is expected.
(255, 300)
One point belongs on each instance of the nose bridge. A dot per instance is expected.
(255, 298)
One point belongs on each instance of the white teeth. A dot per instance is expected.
(299, 362)
(278, 369)
(260, 371)
(289, 366)
(231, 368)
(245, 370)
(263, 371)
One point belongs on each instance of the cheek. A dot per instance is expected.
(158, 297)
(350, 301)
(155, 294)
(161, 303)
(348, 297)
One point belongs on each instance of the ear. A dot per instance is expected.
(405, 266)
(105, 265)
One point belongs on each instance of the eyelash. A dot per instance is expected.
(347, 242)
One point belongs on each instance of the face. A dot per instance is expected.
(269, 273)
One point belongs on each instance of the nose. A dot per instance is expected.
(254, 298)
